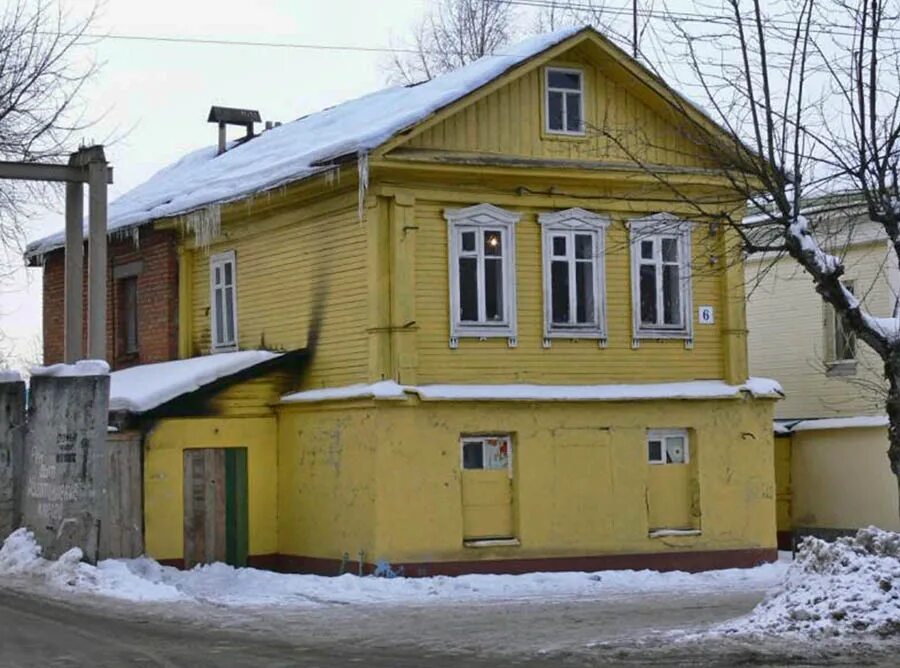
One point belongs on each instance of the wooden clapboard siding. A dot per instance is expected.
(492, 361)
(286, 263)
(787, 338)
(510, 121)
(253, 397)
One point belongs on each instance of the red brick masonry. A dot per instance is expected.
(157, 293)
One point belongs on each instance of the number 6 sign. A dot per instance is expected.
(705, 315)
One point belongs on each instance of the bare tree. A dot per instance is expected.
(42, 74)
(452, 33)
(810, 97)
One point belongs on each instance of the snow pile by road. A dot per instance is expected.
(851, 586)
(144, 579)
(21, 556)
(225, 585)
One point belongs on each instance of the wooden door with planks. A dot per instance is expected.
(215, 506)
(487, 488)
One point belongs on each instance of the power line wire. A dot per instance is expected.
(649, 15)
(237, 42)
(688, 17)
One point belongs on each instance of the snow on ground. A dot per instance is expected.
(146, 580)
(21, 556)
(849, 587)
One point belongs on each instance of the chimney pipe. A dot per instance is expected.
(222, 139)
(224, 116)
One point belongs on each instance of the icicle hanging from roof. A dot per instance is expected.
(205, 224)
(132, 234)
(362, 164)
(333, 176)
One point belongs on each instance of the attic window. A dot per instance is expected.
(564, 101)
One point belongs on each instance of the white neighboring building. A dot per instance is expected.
(832, 472)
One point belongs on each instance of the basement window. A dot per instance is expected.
(564, 101)
(223, 301)
(482, 273)
(667, 446)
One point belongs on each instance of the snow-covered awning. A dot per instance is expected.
(143, 388)
(695, 389)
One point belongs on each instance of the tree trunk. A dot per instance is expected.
(892, 406)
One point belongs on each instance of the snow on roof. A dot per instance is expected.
(856, 422)
(386, 389)
(303, 147)
(145, 387)
(695, 389)
(80, 368)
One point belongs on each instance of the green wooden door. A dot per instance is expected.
(236, 535)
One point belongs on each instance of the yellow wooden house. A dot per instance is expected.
(518, 352)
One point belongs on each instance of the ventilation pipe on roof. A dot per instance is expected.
(231, 116)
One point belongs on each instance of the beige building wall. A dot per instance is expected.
(840, 479)
(787, 337)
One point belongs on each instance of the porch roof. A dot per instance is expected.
(142, 388)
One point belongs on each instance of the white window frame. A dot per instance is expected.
(220, 260)
(661, 435)
(572, 221)
(654, 227)
(548, 89)
(478, 218)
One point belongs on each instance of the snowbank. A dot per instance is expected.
(21, 556)
(851, 586)
(218, 584)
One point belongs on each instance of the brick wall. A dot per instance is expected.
(157, 294)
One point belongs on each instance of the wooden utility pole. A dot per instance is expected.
(87, 165)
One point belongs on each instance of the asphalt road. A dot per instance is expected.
(85, 631)
(38, 632)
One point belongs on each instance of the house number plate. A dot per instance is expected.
(705, 315)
